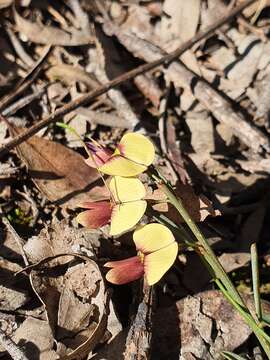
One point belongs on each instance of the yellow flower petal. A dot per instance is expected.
(126, 189)
(152, 237)
(158, 263)
(121, 166)
(126, 215)
(138, 148)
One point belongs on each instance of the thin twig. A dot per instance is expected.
(86, 98)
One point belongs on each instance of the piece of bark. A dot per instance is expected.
(140, 333)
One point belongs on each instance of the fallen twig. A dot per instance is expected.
(119, 80)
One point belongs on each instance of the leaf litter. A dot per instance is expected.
(208, 116)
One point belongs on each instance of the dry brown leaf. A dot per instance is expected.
(50, 35)
(202, 133)
(149, 87)
(174, 152)
(60, 173)
(8, 324)
(97, 65)
(259, 94)
(14, 290)
(12, 299)
(13, 293)
(111, 119)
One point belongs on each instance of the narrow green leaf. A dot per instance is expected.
(232, 356)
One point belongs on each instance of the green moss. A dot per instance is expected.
(18, 216)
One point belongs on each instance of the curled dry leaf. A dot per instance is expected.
(50, 35)
(60, 173)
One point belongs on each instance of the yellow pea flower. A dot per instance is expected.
(157, 251)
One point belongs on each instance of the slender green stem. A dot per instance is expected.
(256, 280)
(231, 356)
(205, 250)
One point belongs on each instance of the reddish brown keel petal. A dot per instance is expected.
(124, 271)
(99, 214)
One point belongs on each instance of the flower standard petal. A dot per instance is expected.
(121, 166)
(98, 214)
(158, 263)
(152, 237)
(126, 215)
(124, 271)
(138, 148)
